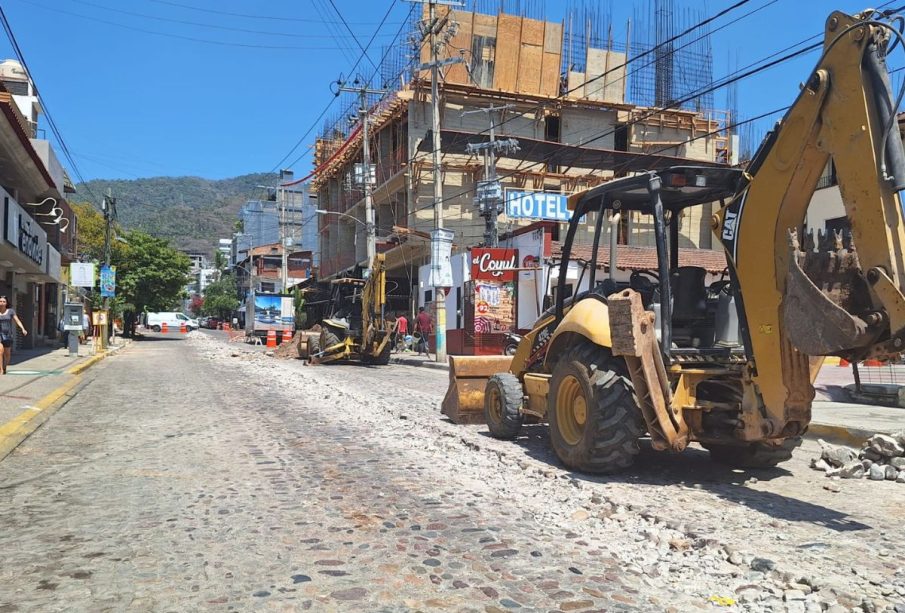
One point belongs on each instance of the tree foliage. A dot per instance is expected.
(220, 298)
(154, 275)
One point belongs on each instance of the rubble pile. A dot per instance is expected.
(882, 458)
(289, 350)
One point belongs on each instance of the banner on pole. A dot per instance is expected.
(108, 281)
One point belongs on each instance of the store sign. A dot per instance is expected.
(25, 233)
(494, 264)
(54, 268)
(537, 205)
(32, 240)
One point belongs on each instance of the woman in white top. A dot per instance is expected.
(7, 318)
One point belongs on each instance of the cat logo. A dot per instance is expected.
(729, 226)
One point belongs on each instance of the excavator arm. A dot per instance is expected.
(798, 303)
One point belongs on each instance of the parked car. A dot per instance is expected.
(213, 323)
(172, 319)
(202, 322)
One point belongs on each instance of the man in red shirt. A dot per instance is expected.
(425, 326)
(402, 330)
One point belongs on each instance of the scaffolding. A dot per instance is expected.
(676, 69)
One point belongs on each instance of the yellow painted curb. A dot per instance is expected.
(18, 428)
(80, 368)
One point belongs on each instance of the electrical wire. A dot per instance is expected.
(364, 50)
(50, 120)
(200, 24)
(194, 39)
(249, 16)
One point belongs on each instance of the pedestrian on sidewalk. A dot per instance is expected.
(424, 326)
(402, 330)
(7, 318)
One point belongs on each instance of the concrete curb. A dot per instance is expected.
(16, 430)
(415, 362)
(20, 427)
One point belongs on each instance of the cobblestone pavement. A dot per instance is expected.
(194, 475)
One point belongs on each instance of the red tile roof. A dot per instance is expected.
(630, 257)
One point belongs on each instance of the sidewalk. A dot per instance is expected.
(413, 359)
(37, 379)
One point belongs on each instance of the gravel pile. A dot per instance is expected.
(881, 459)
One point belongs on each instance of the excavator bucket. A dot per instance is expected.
(468, 375)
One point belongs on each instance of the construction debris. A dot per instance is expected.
(882, 458)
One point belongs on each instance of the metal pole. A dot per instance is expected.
(284, 269)
(366, 162)
(109, 201)
(439, 292)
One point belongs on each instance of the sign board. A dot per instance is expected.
(54, 266)
(24, 232)
(550, 206)
(99, 318)
(494, 307)
(441, 251)
(108, 281)
(494, 264)
(264, 312)
(81, 274)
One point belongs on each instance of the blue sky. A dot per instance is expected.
(175, 87)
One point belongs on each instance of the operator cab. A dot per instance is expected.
(697, 314)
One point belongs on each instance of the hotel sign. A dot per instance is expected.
(537, 205)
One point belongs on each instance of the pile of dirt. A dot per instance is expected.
(290, 350)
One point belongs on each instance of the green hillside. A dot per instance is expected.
(193, 213)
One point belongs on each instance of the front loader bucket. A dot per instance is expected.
(468, 375)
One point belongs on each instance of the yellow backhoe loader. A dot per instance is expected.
(728, 364)
(357, 328)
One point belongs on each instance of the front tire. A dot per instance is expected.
(753, 455)
(502, 406)
(155, 328)
(594, 418)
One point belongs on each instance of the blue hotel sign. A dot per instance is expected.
(537, 205)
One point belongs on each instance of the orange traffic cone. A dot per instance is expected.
(225, 326)
(844, 362)
(182, 328)
(272, 338)
(163, 327)
(287, 336)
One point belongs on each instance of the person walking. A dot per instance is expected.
(8, 317)
(424, 326)
(402, 330)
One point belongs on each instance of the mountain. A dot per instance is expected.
(190, 211)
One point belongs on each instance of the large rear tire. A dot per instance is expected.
(502, 406)
(594, 418)
(753, 455)
(314, 347)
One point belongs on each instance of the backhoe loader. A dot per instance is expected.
(730, 364)
(357, 328)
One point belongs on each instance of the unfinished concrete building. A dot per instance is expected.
(568, 91)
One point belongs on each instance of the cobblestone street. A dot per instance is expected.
(194, 475)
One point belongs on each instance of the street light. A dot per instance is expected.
(352, 217)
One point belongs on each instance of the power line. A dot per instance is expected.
(194, 39)
(200, 24)
(248, 16)
(355, 38)
(50, 121)
(332, 100)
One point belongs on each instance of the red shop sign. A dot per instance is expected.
(494, 264)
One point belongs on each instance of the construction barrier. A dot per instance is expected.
(287, 336)
(163, 328)
(272, 339)
(182, 328)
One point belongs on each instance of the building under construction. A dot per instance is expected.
(585, 100)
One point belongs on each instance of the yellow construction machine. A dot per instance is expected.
(357, 328)
(730, 363)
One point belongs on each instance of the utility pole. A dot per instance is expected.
(284, 258)
(432, 31)
(108, 204)
(362, 89)
(489, 192)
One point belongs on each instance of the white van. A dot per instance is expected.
(173, 321)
